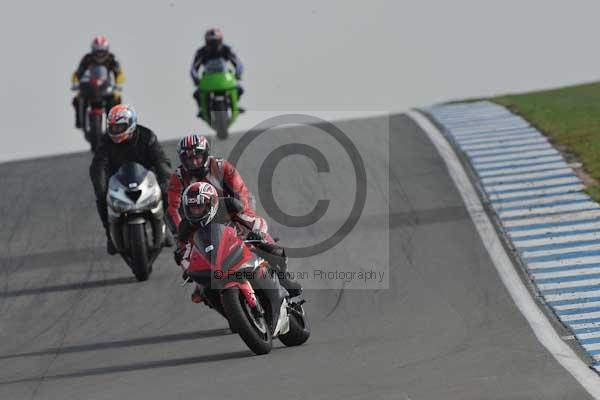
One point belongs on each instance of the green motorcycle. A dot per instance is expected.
(218, 96)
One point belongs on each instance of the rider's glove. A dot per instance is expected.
(238, 77)
(118, 88)
(255, 235)
(75, 87)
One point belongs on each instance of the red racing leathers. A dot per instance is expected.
(229, 183)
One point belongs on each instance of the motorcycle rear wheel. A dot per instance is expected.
(299, 329)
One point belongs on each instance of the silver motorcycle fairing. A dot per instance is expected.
(125, 210)
(120, 202)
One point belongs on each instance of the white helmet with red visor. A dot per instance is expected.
(121, 123)
(200, 202)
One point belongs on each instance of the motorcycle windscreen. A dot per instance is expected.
(131, 175)
(220, 247)
(215, 65)
(96, 82)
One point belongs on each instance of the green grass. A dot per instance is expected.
(571, 118)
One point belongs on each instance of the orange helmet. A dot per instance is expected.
(121, 123)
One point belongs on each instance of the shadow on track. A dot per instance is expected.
(177, 337)
(68, 286)
(52, 259)
(177, 362)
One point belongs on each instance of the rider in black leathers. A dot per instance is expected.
(126, 141)
(214, 48)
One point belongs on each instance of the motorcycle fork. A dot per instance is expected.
(271, 291)
(246, 290)
(204, 98)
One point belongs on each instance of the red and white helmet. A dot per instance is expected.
(200, 202)
(99, 43)
(213, 38)
(100, 48)
(193, 151)
(121, 123)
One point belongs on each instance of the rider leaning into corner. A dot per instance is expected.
(99, 55)
(199, 167)
(126, 141)
(214, 48)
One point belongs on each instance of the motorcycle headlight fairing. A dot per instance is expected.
(151, 193)
(118, 203)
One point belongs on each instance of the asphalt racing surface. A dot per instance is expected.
(74, 324)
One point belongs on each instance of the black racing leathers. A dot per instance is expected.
(203, 55)
(142, 148)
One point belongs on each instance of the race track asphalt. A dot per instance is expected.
(74, 324)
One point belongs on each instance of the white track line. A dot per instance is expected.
(520, 163)
(530, 175)
(512, 150)
(517, 235)
(591, 335)
(523, 170)
(499, 145)
(529, 133)
(540, 325)
(563, 274)
(541, 200)
(575, 187)
(570, 262)
(532, 184)
(572, 295)
(515, 157)
(588, 205)
(568, 219)
(558, 239)
(573, 248)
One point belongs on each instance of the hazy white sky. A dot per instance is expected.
(305, 55)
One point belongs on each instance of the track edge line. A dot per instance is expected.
(521, 295)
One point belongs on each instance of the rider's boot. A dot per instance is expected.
(169, 239)
(197, 296)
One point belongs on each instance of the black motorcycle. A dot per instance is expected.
(96, 93)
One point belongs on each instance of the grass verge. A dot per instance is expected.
(570, 116)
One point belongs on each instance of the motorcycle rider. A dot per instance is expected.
(214, 48)
(201, 207)
(99, 55)
(126, 141)
(197, 165)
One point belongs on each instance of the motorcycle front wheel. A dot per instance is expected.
(252, 328)
(139, 252)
